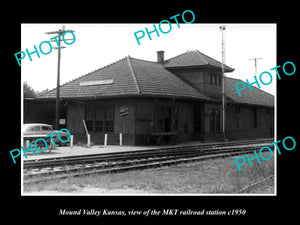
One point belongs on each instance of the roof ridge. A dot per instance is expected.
(133, 74)
(225, 65)
(176, 56)
(210, 57)
(143, 60)
(200, 54)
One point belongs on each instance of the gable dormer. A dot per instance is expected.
(199, 70)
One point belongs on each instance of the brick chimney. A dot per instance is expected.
(160, 56)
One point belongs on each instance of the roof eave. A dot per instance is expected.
(140, 95)
(227, 68)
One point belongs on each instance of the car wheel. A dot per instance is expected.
(63, 143)
(40, 145)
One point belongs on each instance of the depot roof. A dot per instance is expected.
(194, 58)
(254, 97)
(127, 77)
(131, 77)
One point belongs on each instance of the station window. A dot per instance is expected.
(214, 120)
(99, 126)
(100, 120)
(109, 120)
(100, 116)
(210, 78)
(214, 78)
(89, 125)
(89, 120)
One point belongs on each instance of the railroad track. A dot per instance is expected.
(57, 168)
(256, 184)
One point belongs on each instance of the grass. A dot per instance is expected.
(209, 176)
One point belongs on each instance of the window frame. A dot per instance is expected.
(214, 78)
(106, 127)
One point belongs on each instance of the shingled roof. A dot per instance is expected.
(131, 77)
(256, 97)
(194, 58)
(128, 77)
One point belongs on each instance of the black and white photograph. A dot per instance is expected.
(148, 117)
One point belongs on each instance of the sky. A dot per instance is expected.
(98, 45)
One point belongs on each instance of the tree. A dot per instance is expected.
(28, 91)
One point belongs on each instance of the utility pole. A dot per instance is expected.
(60, 32)
(255, 62)
(222, 28)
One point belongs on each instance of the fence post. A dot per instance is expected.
(121, 139)
(27, 144)
(105, 140)
(89, 140)
(71, 141)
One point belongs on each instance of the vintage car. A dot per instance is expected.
(33, 131)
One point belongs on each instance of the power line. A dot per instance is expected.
(60, 32)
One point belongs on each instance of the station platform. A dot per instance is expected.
(76, 150)
(65, 151)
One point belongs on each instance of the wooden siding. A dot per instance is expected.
(199, 79)
(76, 112)
(240, 122)
(145, 109)
(145, 114)
(124, 124)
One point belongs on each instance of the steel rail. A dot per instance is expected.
(121, 155)
(121, 162)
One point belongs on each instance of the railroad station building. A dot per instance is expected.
(134, 97)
